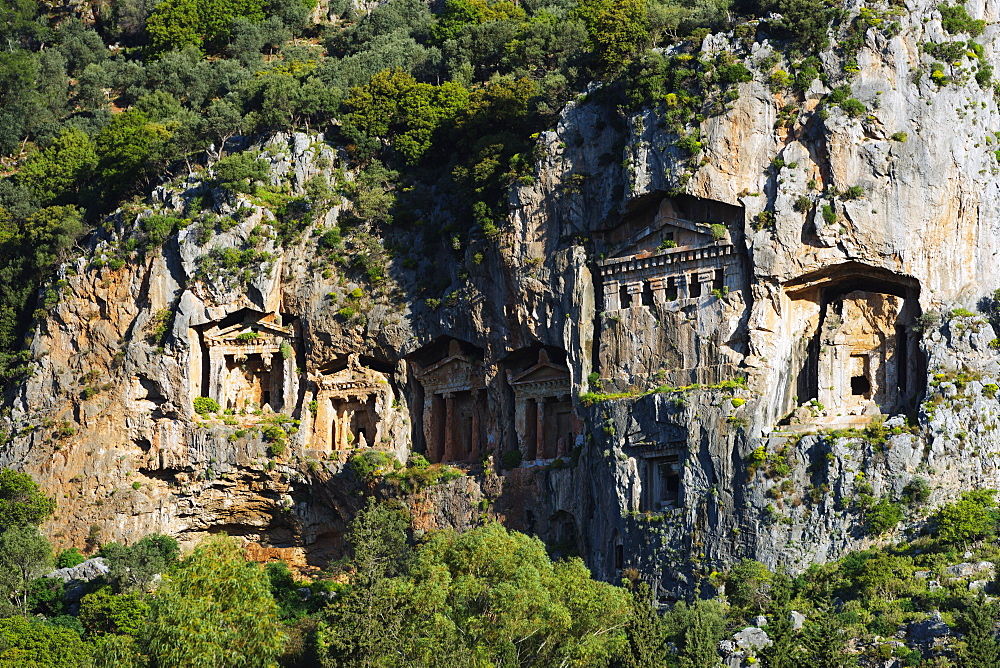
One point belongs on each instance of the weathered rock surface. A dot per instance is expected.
(624, 268)
(91, 569)
(928, 630)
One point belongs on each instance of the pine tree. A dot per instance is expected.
(981, 648)
(645, 631)
(825, 644)
(699, 647)
(785, 650)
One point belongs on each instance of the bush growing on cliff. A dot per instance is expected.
(883, 516)
(70, 557)
(206, 405)
(972, 517)
(749, 585)
(955, 19)
(369, 464)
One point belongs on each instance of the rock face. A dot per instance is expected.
(814, 272)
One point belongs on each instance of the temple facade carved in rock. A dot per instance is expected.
(857, 355)
(546, 425)
(251, 363)
(671, 260)
(351, 406)
(454, 406)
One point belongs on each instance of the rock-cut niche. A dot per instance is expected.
(454, 412)
(353, 398)
(544, 420)
(859, 354)
(248, 362)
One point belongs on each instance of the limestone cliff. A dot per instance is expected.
(814, 269)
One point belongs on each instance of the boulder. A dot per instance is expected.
(91, 569)
(929, 629)
(752, 637)
(965, 569)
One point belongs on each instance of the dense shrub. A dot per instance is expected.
(206, 405)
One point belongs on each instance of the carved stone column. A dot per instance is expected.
(474, 436)
(216, 364)
(540, 429)
(706, 278)
(635, 294)
(449, 428)
(681, 281)
(612, 302)
(430, 443)
(323, 429)
(659, 287)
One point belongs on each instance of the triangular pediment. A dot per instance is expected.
(260, 327)
(543, 373)
(451, 365)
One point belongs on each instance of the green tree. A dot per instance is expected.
(31, 643)
(645, 632)
(215, 19)
(57, 174)
(825, 643)
(617, 29)
(215, 610)
(129, 150)
(50, 233)
(980, 648)
(702, 630)
(372, 614)
(403, 114)
(70, 557)
(173, 25)
(24, 556)
(104, 612)
(970, 518)
(784, 650)
(133, 568)
(499, 595)
(21, 500)
(115, 651)
(457, 15)
(749, 585)
(806, 23)
(241, 172)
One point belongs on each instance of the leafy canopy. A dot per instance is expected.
(21, 500)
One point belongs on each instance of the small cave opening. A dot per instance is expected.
(694, 287)
(860, 387)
